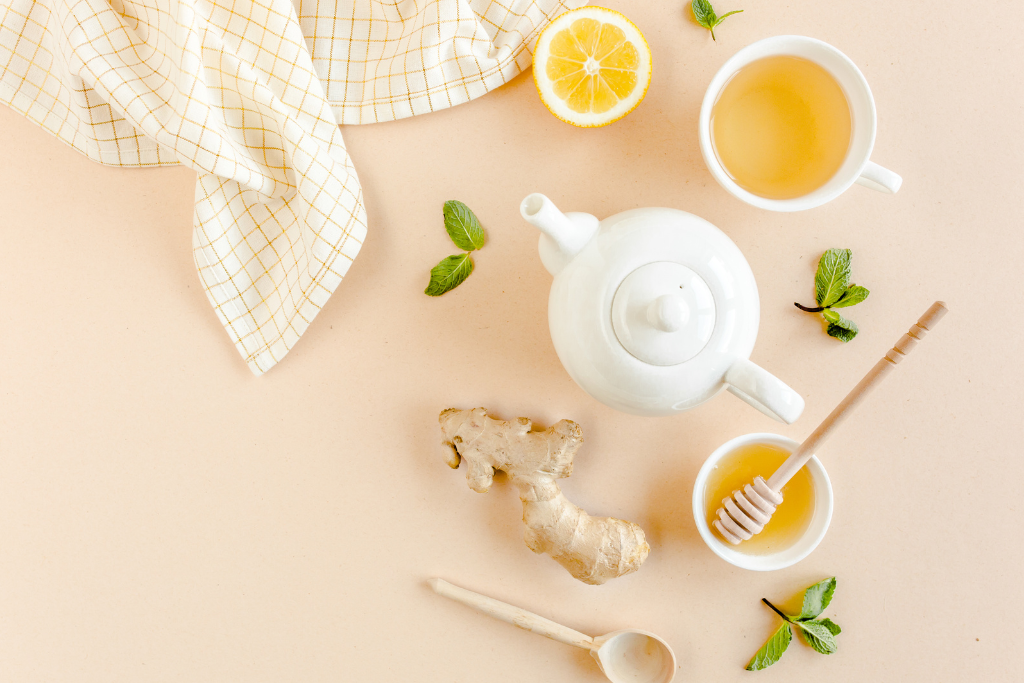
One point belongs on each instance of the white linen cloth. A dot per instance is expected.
(250, 93)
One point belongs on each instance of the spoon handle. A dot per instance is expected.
(882, 368)
(513, 615)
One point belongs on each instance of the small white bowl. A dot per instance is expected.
(784, 558)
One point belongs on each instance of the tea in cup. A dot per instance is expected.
(788, 123)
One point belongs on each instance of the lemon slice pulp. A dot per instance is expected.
(592, 66)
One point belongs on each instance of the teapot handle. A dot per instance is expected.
(764, 391)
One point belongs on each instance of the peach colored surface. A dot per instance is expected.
(166, 516)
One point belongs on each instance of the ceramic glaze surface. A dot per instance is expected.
(663, 313)
(580, 304)
(653, 311)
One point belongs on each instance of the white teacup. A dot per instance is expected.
(802, 547)
(856, 167)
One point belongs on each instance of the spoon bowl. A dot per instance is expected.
(633, 656)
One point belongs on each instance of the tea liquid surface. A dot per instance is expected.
(781, 127)
(791, 518)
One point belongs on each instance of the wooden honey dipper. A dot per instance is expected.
(745, 512)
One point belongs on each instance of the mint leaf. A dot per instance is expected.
(462, 225)
(772, 650)
(705, 15)
(844, 330)
(449, 274)
(833, 276)
(817, 597)
(830, 625)
(831, 316)
(818, 636)
(853, 295)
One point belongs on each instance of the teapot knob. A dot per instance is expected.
(663, 313)
(668, 312)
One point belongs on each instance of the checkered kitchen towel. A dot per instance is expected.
(249, 93)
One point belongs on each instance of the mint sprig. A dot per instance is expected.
(705, 15)
(820, 634)
(466, 232)
(832, 289)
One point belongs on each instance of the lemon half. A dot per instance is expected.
(592, 66)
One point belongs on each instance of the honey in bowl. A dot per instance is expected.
(781, 127)
(790, 520)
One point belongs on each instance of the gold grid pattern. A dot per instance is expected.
(249, 93)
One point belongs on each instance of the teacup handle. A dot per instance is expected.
(879, 178)
(764, 391)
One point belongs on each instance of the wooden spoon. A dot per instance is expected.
(628, 656)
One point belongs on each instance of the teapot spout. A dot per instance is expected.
(562, 235)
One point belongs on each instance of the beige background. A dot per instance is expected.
(166, 516)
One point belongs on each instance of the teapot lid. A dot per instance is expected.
(663, 313)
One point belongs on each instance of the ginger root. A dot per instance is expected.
(593, 549)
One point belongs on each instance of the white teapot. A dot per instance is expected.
(654, 311)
